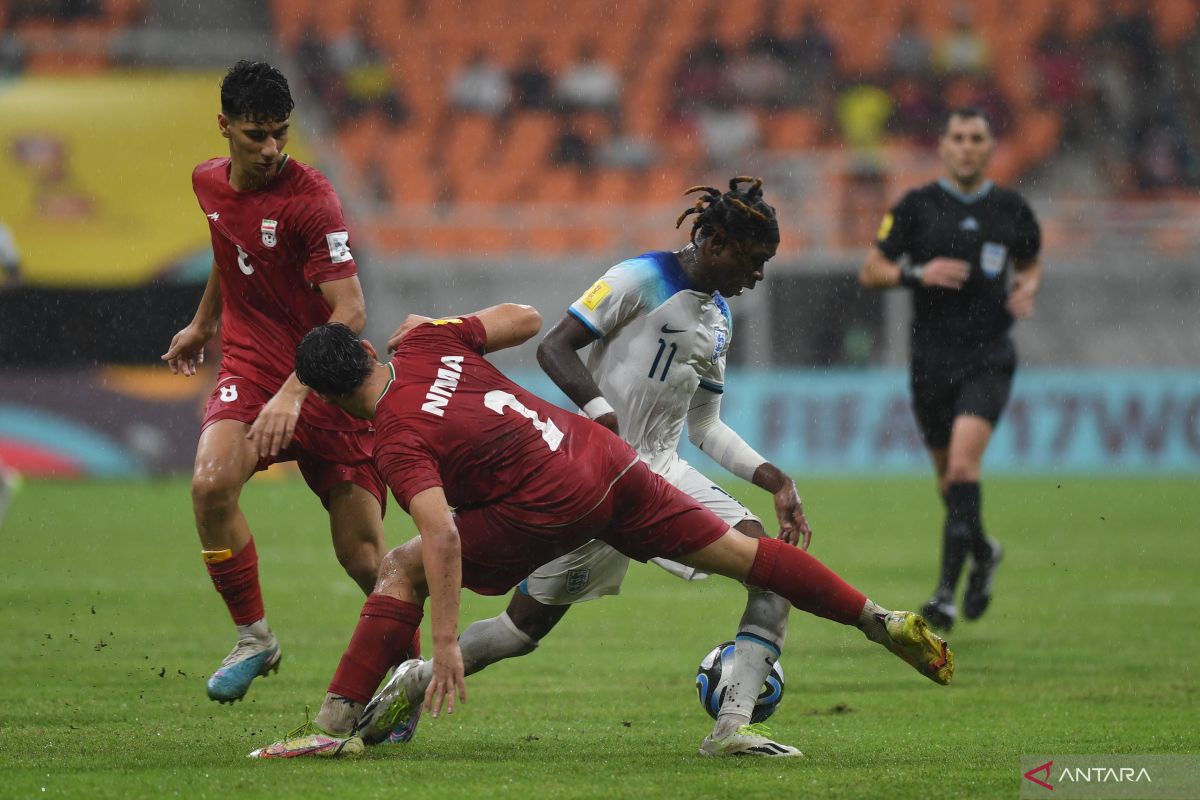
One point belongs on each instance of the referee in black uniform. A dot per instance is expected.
(968, 252)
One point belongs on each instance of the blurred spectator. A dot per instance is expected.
(12, 55)
(1060, 65)
(759, 76)
(727, 132)
(57, 10)
(571, 148)
(532, 88)
(863, 112)
(1127, 24)
(481, 86)
(961, 51)
(318, 72)
(10, 258)
(909, 51)
(812, 60)
(590, 84)
(624, 151)
(1163, 158)
(917, 111)
(366, 77)
(699, 81)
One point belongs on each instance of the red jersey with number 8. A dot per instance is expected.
(273, 248)
(451, 419)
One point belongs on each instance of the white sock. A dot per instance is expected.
(255, 630)
(482, 643)
(870, 622)
(338, 714)
(756, 649)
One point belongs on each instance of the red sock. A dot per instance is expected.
(237, 580)
(808, 584)
(384, 634)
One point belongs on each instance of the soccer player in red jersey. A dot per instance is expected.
(281, 265)
(528, 481)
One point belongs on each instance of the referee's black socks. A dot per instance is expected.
(963, 532)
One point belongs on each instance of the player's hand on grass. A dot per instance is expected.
(273, 429)
(186, 352)
(412, 321)
(448, 680)
(1020, 300)
(609, 421)
(945, 273)
(793, 527)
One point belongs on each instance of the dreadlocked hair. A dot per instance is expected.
(256, 91)
(736, 215)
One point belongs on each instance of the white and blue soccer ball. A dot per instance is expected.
(711, 684)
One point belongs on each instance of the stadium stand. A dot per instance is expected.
(748, 70)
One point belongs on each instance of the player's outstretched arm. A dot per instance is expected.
(509, 324)
(1026, 282)
(723, 444)
(441, 554)
(186, 352)
(558, 355)
(275, 425)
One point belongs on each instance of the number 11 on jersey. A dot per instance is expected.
(662, 345)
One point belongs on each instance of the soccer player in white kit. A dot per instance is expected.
(659, 329)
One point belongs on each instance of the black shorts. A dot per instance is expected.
(953, 383)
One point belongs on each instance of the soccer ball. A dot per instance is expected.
(711, 684)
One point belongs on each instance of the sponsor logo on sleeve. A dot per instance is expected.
(339, 247)
(592, 297)
(448, 321)
(268, 232)
(885, 227)
(992, 258)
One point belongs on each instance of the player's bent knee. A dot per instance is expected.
(732, 556)
(402, 566)
(214, 493)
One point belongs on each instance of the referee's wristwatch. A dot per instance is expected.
(910, 275)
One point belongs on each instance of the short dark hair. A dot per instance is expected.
(965, 112)
(331, 360)
(256, 91)
(739, 215)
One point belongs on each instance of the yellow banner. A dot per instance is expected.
(95, 172)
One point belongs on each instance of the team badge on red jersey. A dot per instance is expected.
(268, 232)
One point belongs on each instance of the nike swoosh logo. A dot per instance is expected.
(665, 329)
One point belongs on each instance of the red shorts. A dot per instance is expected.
(642, 516)
(326, 457)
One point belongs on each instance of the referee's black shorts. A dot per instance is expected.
(948, 383)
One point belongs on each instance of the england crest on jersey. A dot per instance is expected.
(268, 232)
(992, 258)
(719, 345)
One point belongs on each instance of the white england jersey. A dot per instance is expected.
(658, 340)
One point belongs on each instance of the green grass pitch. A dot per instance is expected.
(110, 626)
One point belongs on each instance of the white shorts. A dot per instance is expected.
(596, 569)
